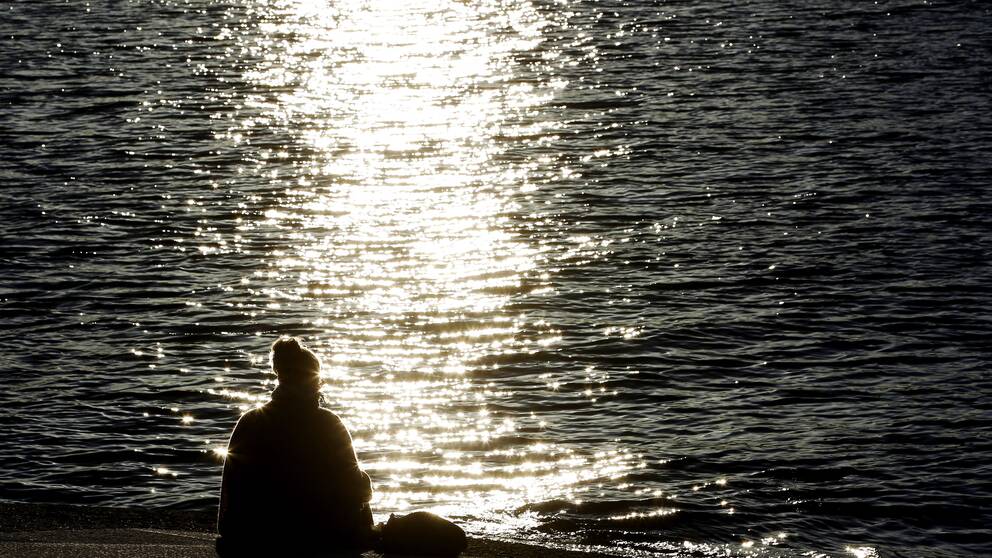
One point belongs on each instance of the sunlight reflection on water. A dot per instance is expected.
(533, 241)
(398, 246)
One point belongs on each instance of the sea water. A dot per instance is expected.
(653, 278)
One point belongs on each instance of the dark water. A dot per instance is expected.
(665, 278)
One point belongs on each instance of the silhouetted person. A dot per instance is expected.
(292, 485)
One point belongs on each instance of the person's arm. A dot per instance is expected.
(232, 481)
(355, 485)
(365, 486)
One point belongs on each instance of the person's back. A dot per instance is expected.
(291, 478)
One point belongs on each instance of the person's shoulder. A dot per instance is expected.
(330, 420)
(248, 427)
(328, 416)
(249, 418)
(253, 413)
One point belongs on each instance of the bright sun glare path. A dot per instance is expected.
(399, 244)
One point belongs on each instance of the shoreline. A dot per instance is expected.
(51, 530)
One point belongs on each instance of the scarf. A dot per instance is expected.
(296, 395)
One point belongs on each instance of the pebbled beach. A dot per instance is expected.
(53, 531)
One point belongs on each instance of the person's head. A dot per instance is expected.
(295, 364)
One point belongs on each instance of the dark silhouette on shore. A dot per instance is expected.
(292, 483)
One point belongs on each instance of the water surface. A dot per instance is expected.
(656, 278)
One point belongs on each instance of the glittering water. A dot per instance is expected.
(660, 278)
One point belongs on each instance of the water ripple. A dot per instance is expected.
(662, 279)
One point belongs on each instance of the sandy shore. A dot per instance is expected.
(50, 531)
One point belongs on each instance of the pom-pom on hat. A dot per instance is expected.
(294, 363)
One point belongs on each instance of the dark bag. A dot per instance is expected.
(422, 534)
